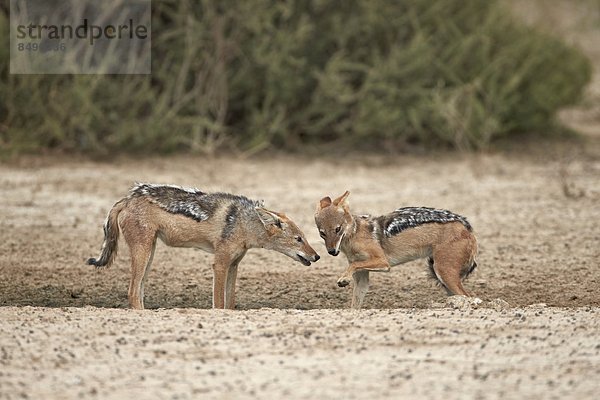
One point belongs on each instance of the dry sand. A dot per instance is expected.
(65, 331)
(527, 353)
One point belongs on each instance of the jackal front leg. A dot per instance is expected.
(230, 284)
(361, 286)
(220, 268)
(227, 257)
(374, 264)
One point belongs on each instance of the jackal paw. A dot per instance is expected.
(343, 281)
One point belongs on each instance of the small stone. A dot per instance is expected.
(463, 302)
(499, 305)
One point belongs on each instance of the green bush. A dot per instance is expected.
(254, 74)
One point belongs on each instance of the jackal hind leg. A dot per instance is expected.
(449, 260)
(361, 286)
(142, 254)
(230, 283)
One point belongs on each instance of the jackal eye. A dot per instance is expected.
(322, 233)
(299, 239)
(338, 229)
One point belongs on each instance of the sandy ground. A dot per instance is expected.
(65, 331)
(529, 353)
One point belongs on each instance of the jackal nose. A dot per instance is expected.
(333, 252)
(317, 257)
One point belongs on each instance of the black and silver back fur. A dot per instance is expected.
(191, 202)
(410, 217)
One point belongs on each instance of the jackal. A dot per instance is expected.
(377, 243)
(220, 223)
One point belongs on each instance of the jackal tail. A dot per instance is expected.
(468, 271)
(111, 238)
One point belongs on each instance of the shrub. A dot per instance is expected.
(283, 73)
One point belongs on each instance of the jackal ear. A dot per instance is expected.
(341, 201)
(325, 202)
(268, 217)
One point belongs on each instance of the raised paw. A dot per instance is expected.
(343, 281)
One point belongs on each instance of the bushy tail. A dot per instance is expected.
(111, 237)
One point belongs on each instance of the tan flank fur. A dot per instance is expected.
(377, 243)
(220, 223)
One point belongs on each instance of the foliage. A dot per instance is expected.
(262, 73)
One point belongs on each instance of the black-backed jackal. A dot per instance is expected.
(376, 243)
(220, 223)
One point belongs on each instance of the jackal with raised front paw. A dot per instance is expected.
(377, 243)
(220, 223)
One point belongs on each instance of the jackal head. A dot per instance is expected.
(284, 236)
(334, 221)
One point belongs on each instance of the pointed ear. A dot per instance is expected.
(325, 202)
(268, 217)
(341, 201)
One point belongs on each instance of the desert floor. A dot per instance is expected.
(66, 332)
